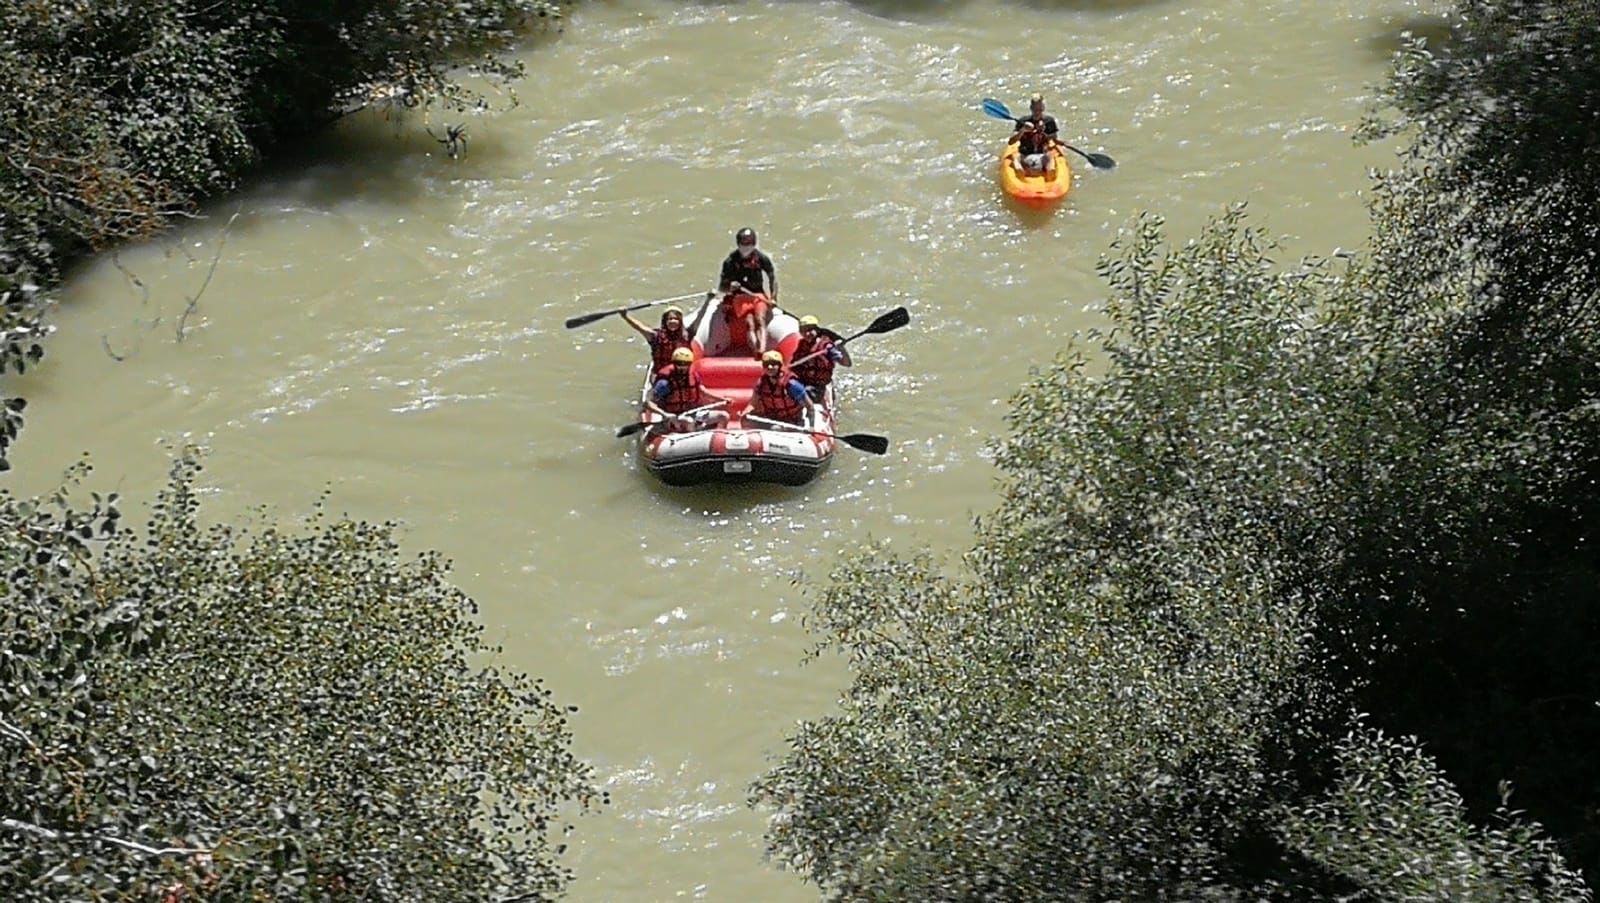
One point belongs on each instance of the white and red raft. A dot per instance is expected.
(744, 450)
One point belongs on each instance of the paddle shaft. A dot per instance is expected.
(821, 352)
(586, 319)
(888, 322)
(866, 442)
(639, 426)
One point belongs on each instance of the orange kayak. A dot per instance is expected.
(1035, 189)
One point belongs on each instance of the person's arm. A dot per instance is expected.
(772, 277)
(730, 274)
(657, 392)
(638, 327)
(798, 392)
(840, 355)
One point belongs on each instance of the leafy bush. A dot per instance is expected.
(119, 115)
(235, 714)
(1292, 495)
(1396, 829)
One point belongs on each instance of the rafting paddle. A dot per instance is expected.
(887, 322)
(876, 445)
(575, 322)
(999, 111)
(639, 426)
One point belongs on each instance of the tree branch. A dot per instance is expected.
(17, 732)
(22, 827)
(195, 301)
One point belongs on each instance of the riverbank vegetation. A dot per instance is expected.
(232, 712)
(119, 116)
(1298, 598)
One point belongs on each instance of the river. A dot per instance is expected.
(386, 322)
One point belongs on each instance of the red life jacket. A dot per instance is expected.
(683, 392)
(770, 398)
(819, 370)
(662, 344)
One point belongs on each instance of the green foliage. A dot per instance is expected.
(1397, 830)
(261, 714)
(119, 115)
(1294, 493)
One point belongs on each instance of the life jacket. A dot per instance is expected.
(1034, 142)
(683, 392)
(770, 398)
(662, 344)
(748, 270)
(819, 370)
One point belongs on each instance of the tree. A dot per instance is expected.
(224, 713)
(120, 115)
(1291, 494)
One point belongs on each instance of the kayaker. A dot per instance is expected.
(1035, 134)
(1033, 150)
(779, 396)
(1037, 116)
(746, 273)
(815, 357)
(678, 390)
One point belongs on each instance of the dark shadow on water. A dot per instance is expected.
(364, 157)
(1396, 32)
(722, 500)
(907, 10)
(929, 10)
(1033, 218)
(1088, 6)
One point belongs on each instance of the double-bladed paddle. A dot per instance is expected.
(575, 322)
(999, 111)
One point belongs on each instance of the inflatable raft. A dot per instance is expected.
(1035, 189)
(745, 450)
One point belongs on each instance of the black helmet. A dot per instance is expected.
(746, 236)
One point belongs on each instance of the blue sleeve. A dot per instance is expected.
(662, 389)
(797, 392)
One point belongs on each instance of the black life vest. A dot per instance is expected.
(771, 400)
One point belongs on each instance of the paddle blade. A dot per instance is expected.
(575, 322)
(875, 445)
(997, 109)
(1101, 161)
(890, 321)
(638, 426)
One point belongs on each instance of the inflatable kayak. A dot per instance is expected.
(744, 450)
(1035, 189)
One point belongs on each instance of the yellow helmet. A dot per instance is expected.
(683, 356)
(772, 357)
(672, 309)
(808, 320)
